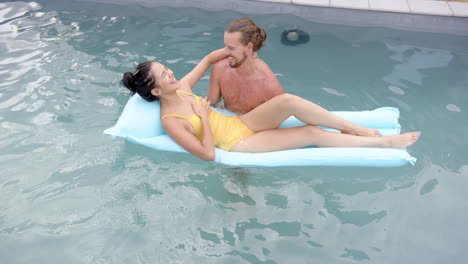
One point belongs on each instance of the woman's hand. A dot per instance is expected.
(202, 108)
(216, 55)
(203, 148)
(194, 76)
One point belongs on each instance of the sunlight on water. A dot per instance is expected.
(68, 189)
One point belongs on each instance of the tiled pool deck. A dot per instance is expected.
(427, 7)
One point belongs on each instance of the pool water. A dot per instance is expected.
(69, 194)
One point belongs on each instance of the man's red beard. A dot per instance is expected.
(238, 63)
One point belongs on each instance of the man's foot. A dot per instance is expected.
(403, 140)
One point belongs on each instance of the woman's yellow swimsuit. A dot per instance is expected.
(226, 130)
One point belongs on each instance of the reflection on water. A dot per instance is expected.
(65, 187)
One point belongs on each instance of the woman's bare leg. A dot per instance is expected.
(273, 112)
(298, 137)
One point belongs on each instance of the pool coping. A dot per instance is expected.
(424, 7)
(319, 14)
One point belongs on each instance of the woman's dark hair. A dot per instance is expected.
(250, 32)
(141, 81)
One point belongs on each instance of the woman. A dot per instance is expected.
(190, 122)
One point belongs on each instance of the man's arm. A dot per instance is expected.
(214, 91)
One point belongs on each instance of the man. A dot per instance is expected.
(243, 80)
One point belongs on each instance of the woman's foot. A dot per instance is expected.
(401, 141)
(362, 131)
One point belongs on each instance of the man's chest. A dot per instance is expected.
(236, 85)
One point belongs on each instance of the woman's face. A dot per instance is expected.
(165, 78)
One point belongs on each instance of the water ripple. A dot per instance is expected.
(65, 187)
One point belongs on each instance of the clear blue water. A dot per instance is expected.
(69, 194)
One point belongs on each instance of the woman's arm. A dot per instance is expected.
(203, 149)
(194, 76)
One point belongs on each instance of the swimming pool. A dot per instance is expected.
(70, 194)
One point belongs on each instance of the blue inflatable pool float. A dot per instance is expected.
(140, 123)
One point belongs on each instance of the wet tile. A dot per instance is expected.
(312, 2)
(276, 1)
(353, 4)
(459, 9)
(430, 7)
(390, 6)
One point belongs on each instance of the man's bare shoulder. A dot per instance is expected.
(265, 69)
(271, 82)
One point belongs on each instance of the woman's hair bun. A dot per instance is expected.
(141, 81)
(128, 81)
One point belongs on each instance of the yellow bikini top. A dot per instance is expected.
(194, 119)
